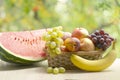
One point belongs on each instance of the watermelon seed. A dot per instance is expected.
(33, 40)
(15, 38)
(26, 40)
(18, 39)
(23, 40)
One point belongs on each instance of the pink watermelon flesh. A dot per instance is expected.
(27, 44)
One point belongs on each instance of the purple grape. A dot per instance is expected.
(94, 39)
(97, 32)
(105, 36)
(98, 37)
(93, 35)
(108, 40)
(101, 40)
(105, 44)
(112, 38)
(101, 32)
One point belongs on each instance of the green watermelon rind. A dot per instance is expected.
(4, 57)
(9, 56)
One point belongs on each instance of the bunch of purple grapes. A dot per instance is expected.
(101, 39)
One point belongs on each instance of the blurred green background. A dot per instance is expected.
(20, 15)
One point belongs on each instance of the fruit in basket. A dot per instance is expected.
(80, 33)
(66, 35)
(101, 39)
(63, 49)
(86, 45)
(54, 41)
(95, 65)
(52, 44)
(23, 47)
(72, 44)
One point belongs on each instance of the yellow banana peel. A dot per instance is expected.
(95, 65)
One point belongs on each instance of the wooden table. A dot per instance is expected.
(38, 72)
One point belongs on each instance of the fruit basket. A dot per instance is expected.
(63, 59)
(60, 46)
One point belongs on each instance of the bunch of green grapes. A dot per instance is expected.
(53, 40)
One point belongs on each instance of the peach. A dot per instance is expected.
(80, 33)
(63, 49)
(87, 45)
(66, 35)
(72, 44)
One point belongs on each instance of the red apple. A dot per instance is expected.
(80, 33)
(87, 45)
(72, 44)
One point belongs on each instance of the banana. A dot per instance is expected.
(94, 65)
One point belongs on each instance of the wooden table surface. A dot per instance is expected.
(38, 72)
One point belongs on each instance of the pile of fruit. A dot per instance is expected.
(81, 40)
(58, 41)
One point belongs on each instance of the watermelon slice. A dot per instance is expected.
(24, 47)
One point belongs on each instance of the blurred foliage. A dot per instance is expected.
(19, 15)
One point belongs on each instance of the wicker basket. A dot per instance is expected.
(63, 60)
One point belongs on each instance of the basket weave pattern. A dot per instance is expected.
(63, 59)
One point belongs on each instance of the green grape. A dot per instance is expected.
(57, 50)
(48, 37)
(55, 70)
(59, 41)
(49, 69)
(52, 45)
(60, 33)
(62, 69)
(54, 35)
